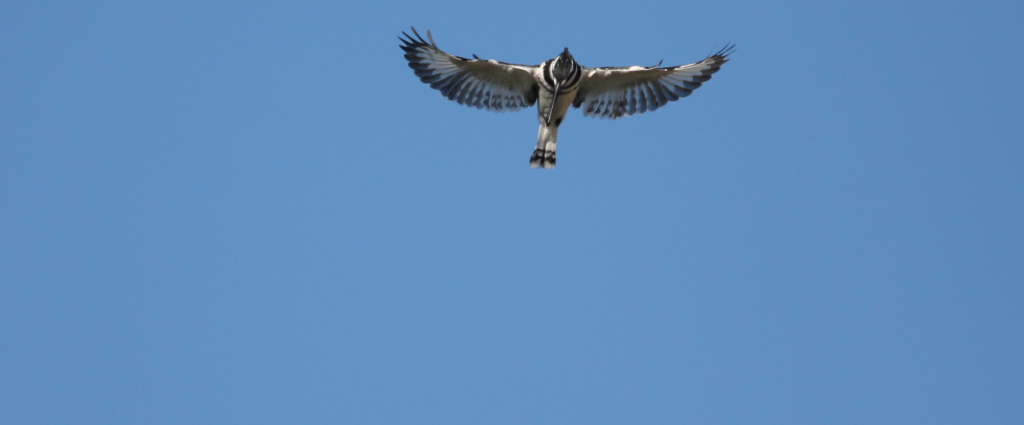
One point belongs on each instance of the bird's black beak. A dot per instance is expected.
(554, 101)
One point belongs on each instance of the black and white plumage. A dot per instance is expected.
(556, 84)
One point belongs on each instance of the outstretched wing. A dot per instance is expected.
(615, 92)
(485, 84)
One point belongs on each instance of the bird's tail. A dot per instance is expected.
(544, 155)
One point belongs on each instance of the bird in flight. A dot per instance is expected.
(557, 83)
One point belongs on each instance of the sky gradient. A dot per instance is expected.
(254, 212)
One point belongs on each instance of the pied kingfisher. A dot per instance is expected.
(557, 83)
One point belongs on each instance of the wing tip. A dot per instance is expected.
(417, 41)
(723, 53)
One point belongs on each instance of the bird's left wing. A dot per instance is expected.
(616, 92)
(485, 84)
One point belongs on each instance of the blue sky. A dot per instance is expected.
(253, 212)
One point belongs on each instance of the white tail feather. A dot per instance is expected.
(544, 155)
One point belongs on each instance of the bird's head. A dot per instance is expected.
(564, 65)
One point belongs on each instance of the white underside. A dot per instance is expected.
(548, 134)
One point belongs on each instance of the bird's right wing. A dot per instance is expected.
(616, 92)
(485, 84)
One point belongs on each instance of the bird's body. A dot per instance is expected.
(554, 85)
(559, 81)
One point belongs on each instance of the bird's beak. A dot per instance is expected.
(554, 100)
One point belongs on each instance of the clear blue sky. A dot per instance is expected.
(254, 213)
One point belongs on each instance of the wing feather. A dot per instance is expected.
(616, 92)
(484, 84)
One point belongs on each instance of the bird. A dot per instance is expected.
(554, 85)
